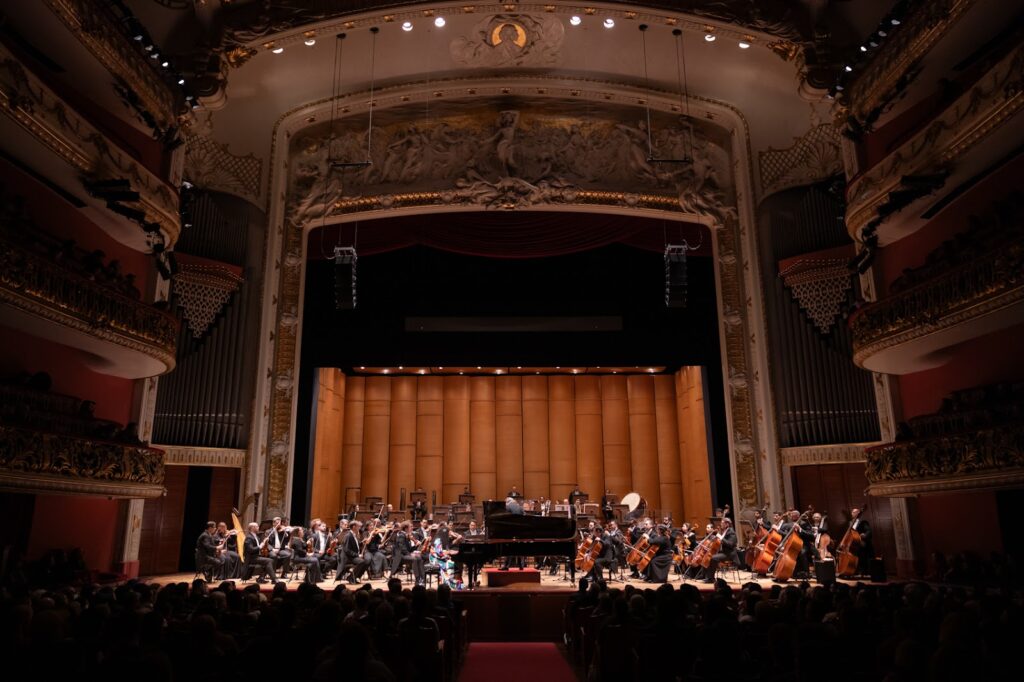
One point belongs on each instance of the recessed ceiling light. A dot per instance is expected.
(710, 37)
(847, 68)
(181, 81)
(423, 371)
(460, 372)
(407, 26)
(609, 23)
(386, 371)
(310, 41)
(744, 45)
(362, 368)
(278, 50)
(882, 33)
(894, 22)
(400, 367)
(479, 367)
(439, 22)
(575, 20)
(863, 48)
(440, 368)
(650, 369)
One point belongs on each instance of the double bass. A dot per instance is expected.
(756, 538)
(846, 555)
(789, 552)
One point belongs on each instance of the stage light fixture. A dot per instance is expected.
(439, 22)
(165, 64)
(863, 48)
(894, 22)
(847, 68)
(675, 275)
(181, 81)
(575, 20)
(407, 26)
(744, 45)
(278, 50)
(710, 37)
(310, 42)
(882, 33)
(609, 23)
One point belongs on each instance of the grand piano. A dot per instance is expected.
(522, 535)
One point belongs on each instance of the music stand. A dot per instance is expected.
(467, 498)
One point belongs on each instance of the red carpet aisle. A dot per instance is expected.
(515, 662)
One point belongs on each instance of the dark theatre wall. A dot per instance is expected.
(66, 521)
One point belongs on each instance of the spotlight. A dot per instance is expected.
(149, 47)
(165, 63)
(839, 88)
(439, 22)
(181, 81)
(894, 22)
(407, 26)
(609, 23)
(710, 37)
(155, 55)
(847, 68)
(138, 37)
(310, 41)
(575, 20)
(873, 43)
(744, 45)
(863, 48)
(882, 33)
(278, 50)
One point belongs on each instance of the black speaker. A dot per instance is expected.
(825, 571)
(877, 571)
(675, 277)
(344, 278)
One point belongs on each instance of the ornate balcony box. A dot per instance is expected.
(121, 336)
(914, 329)
(38, 462)
(986, 458)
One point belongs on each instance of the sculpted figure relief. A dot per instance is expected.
(513, 158)
(511, 40)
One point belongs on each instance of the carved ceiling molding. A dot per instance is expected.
(33, 285)
(994, 100)
(207, 457)
(986, 458)
(211, 165)
(250, 29)
(814, 157)
(877, 83)
(752, 457)
(94, 26)
(824, 454)
(982, 287)
(33, 106)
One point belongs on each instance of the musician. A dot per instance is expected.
(661, 563)
(866, 551)
(385, 512)
(278, 545)
(207, 560)
(405, 553)
(819, 527)
(419, 507)
(447, 536)
(607, 557)
(302, 556)
(422, 532)
(515, 494)
(231, 569)
(253, 560)
(321, 544)
(374, 554)
(727, 552)
(606, 504)
(474, 531)
(545, 506)
(349, 554)
(512, 506)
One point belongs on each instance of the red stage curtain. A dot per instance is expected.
(507, 234)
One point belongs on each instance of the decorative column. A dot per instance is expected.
(906, 564)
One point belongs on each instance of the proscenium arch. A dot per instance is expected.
(741, 323)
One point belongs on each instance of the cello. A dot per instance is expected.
(789, 552)
(756, 538)
(587, 564)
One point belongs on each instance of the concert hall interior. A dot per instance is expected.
(637, 308)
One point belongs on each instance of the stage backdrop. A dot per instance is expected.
(541, 433)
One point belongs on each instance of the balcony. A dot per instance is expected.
(45, 134)
(120, 335)
(968, 289)
(962, 143)
(976, 441)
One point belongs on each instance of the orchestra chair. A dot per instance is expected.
(727, 567)
(203, 568)
(430, 572)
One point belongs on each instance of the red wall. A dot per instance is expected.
(21, 352)
(910, 252)
(65, 521)
(57, 217)
(986, 360)
(958, 522)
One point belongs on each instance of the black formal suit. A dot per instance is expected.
(301, 557)
(348, 550)
(231, 569)
(321, 542)
(253, 560)
(207, 561)
(866, 551)
(404, 554)
(279, 549)
(374, 557)
(606, 560)
(727, 552)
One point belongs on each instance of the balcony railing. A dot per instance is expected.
(34, 461)
(979, 288)
(35, 285)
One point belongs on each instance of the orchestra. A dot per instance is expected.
(779, 546)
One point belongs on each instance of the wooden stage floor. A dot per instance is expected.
(548, 584)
